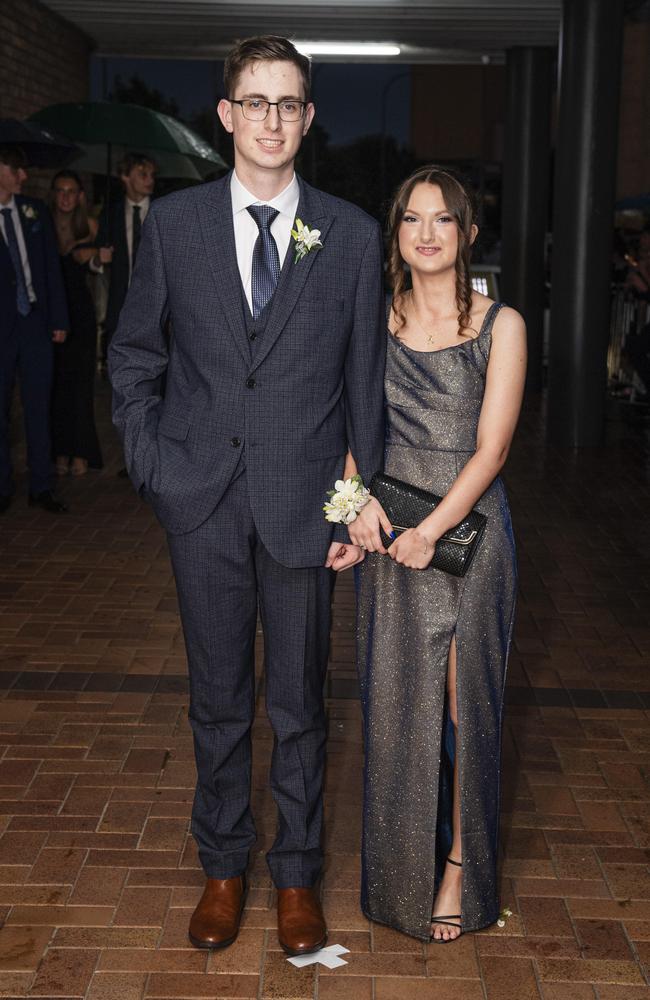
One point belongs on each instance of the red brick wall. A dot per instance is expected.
(467, 123)
(634, 129)
(43, 59)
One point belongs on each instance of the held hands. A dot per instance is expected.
(412, 548)
(364, 531)
(58, 336)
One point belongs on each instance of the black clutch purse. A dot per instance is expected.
(407, 505)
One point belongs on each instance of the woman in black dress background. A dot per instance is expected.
(75, 443)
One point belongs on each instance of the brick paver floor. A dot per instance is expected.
(98, 875)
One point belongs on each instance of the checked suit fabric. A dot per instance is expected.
(266, 260)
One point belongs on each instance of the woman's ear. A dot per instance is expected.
(473, 233)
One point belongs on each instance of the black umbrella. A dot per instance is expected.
(41, 146)
(107, 129)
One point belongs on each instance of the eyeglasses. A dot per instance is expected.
(256, 110)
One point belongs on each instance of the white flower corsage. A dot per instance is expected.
(346, 500)
(305, 239)
(29, 212)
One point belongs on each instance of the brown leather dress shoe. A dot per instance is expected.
(215, 921)
(301, 924)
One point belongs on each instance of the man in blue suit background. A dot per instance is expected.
(274, 373)
(33, 316)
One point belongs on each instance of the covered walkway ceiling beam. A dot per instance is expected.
(425, 30)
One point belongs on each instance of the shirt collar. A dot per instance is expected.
(10, 204)
(285, 202)
(139, 204)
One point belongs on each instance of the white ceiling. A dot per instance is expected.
(427, 30)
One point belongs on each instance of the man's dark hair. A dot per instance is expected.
(264, 48)
(13, 156)
(131, 160)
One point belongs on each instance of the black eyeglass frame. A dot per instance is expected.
(270, 104)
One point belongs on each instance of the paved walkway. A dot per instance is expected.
(98, 876)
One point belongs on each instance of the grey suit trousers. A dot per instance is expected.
(224, 574)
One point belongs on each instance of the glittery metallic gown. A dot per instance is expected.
(406, 622)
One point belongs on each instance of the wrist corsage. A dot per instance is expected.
(346, 500)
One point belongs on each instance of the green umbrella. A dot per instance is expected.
(106, 130)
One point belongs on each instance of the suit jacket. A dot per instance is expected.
(44, 263)
(112, 232)
(308, 389)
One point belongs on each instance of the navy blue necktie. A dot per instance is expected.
(22, 298)
(266, 260)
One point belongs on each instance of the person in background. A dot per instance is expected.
(74, 436)
(121, 229)
(637, 342)
(33, 317)
(638, 275)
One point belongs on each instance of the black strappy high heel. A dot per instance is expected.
(448, 918)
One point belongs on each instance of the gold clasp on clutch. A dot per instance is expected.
(446, 538)
(461, 541)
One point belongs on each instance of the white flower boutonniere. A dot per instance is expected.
(305, 239)
(348, 497)
(29, 212)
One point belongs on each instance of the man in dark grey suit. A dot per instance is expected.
(274, 374)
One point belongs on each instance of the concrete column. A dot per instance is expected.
(526, 170)
(585, 176)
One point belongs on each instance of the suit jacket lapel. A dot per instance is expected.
(219, 240)
(4, 250)
(20, 201)
(5, 259)
(294, 276)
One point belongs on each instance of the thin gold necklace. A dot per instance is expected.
(431, 338)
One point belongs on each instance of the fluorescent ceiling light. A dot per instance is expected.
(346, 49)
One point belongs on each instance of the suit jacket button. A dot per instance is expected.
(253, 336)
(235, 442)
(250, 383)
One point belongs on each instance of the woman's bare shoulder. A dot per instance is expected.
(510, 322)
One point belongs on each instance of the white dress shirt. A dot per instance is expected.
(20, 237)
(246, 231)
(128, 220)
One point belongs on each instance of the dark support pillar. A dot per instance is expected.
(525, 194)
(590, 64)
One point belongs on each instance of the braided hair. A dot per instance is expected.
(460, 205)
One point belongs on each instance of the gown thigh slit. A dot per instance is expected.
(407, 621)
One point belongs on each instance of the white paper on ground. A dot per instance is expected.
(337, 949)
(332, 961)
(326, 956)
